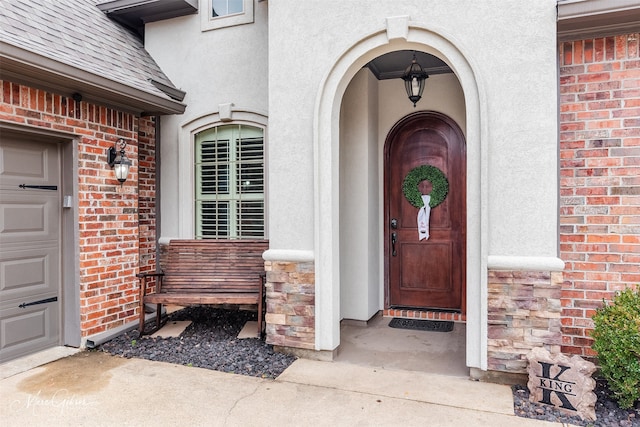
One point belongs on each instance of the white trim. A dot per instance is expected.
(326, 179)
(288, 255)
(208, 22)
(165, 240)
(524, 263)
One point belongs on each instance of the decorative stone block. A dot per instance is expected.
(563, 382)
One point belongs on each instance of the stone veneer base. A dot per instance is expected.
(290, 309)
(523, 313)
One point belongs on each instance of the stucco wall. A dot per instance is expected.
(359, 194)
(518, 88)
(517, 81)
(225, 66)
(504, 58)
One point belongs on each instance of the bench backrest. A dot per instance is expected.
(213, 265)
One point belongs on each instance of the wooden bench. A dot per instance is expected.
(209, 272)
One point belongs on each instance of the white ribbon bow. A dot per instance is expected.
(423, 218)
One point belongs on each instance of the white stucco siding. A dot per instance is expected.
(222, 66)
(442, 93)
(503, 95)
(360, 214)
(523, 150)
(496, 50)
(510, 44)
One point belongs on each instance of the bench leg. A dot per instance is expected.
(259, 319)
(141, 321)
(158, 315)
(261, 304)
(143, 283)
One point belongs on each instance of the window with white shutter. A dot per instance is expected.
(229, 193)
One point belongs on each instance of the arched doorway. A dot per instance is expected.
(428, 270)
(373, 112)
(377, 115)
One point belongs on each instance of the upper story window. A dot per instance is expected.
(229, 178)
(226, 7)
(225, 13)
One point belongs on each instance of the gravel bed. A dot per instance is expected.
(608, 413)
(209, 342)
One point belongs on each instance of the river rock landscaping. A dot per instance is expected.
(210, 342)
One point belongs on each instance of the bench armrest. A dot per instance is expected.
(143, 282)
(145, 275)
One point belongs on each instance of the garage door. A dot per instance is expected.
(29, 246)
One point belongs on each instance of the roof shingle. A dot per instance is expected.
(76, 33)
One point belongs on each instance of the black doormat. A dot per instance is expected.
(421, 325)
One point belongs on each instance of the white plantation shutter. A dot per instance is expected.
(229, 180)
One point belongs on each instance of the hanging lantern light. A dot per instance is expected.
(118, 160)
(414, 77)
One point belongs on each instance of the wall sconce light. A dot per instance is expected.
(118, 160)
(414, 77)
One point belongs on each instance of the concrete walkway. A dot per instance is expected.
(96, 389)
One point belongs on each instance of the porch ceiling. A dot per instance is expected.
(392, 65)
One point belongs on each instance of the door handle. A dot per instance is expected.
(394, 238)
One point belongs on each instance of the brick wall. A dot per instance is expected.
(147, 193)
(600, 178)
(109, 247)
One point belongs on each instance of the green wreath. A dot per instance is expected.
(440, 185)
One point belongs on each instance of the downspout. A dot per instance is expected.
(105, 336)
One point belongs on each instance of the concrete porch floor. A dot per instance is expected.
(375, 344)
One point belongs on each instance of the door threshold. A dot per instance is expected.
(438, 310)
(427, 314)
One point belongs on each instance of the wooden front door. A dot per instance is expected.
(425, 273)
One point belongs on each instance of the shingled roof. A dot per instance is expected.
(70, 46)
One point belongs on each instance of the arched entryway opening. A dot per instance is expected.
(355, 113)
(386, 269)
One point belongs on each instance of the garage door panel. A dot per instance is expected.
(28, 160)
(29, 329)
(28, 216)
(28, 272)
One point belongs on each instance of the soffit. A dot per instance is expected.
(135, 13)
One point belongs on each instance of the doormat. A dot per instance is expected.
(421, 325)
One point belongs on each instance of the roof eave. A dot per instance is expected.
(596, 18)
(29, 68)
